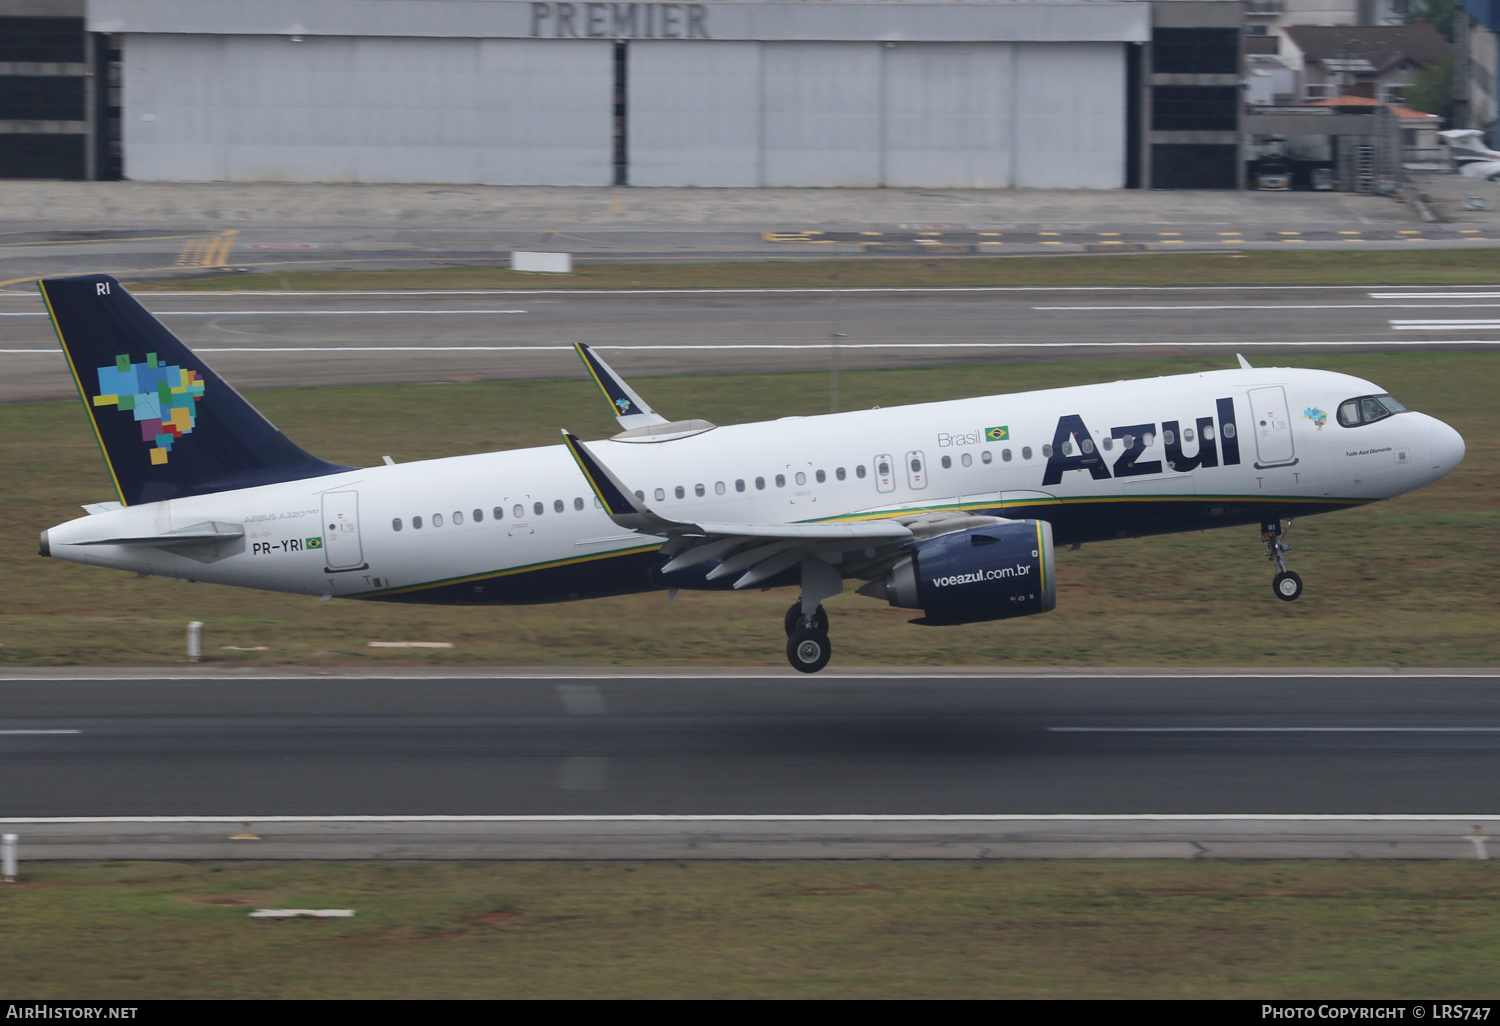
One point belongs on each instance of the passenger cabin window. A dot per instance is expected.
(966, 460)
(1004, 455)
(498, 512)
(519, 511)
(1366, 410)
(661, 494)
(801, 478)
(538, 508)
(719, 488)
(458, 517)
(557, 506)
(780, 480)
(739, 484)
(859, 471)
(947, 462)
(821, 477)
(679, 492)
(578, 503)
(698, 490)
(1025, 452)
(396, 524)
(987, 457)
(760, 484)
(416, 523)
(478, 516)
(437, 520)
(839, 473)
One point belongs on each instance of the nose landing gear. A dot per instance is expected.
(1286, 584)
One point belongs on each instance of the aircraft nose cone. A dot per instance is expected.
(1446, 446)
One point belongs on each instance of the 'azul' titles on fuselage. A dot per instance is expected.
(1073, 447)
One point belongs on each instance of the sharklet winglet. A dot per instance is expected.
(629, 409)
(619, 503)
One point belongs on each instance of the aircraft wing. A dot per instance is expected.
(757, 551)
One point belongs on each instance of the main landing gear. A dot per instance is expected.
(1286, 584)
(807, 645)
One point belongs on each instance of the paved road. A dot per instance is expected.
(733, 746)
(259, 340)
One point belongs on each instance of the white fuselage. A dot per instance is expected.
(339, 536)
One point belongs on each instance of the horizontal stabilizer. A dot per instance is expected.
(207, 533)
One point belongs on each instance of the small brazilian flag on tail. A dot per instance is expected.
(315, 543)
(997, 434)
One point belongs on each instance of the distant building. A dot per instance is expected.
(1268, 20)
(1478, 30)
(915, 93)
(1375, 61)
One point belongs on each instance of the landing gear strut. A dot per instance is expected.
(807, 645)
(1286, 584)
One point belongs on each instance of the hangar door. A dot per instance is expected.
(934, 115)
(368, 109)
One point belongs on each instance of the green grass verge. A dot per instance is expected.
(1095, 929)
(1405, 582)
(1256, 267)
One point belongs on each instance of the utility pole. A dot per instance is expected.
(1461, 114)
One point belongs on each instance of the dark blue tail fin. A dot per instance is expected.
(168, 425)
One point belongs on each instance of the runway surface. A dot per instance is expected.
(769, 745)
(261, 340)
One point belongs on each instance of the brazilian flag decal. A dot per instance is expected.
(997, 434)
(315, 543)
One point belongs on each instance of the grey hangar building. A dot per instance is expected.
(1087, 94)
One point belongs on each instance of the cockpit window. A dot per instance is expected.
(1368, 409)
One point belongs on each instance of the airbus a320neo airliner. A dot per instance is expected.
(950, 508)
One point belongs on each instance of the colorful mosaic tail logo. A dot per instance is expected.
(162, 397)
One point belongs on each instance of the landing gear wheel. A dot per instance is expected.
(808, 650)
(794, 619)
(1287, 586)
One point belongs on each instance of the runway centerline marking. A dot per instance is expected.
(31, 733)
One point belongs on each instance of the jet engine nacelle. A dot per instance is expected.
(988, 573)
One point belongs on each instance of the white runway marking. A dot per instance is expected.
(1228, 344)
(1127, 817)
(1445, 325)
(1183, 307)
(1435, 295)
(1275, 730)
(287, 313)
(28, 733)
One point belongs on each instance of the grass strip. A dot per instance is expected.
(1256, 267)
(1408, 582)
(1018, 929)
